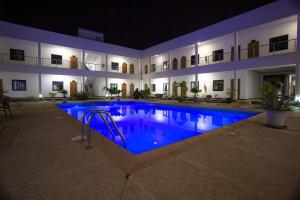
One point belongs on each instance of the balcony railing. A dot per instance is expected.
(119, 70)
(269, 49)
(48, 62)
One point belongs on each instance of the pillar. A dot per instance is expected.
(169, 85)
(297, 88)
(40, 85)
(196, 55)
(235, 95)
(106, 62)
(83, 60)
(39, 59)
(150, 65)
(170, 60)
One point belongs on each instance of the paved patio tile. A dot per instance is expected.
(177, 179)
(245, 168)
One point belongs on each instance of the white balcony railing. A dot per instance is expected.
(48, 62)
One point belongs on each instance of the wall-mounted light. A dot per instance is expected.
(40, 96)
(297, 98)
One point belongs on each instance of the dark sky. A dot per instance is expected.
(137, 24)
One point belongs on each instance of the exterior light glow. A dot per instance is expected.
(297, 98)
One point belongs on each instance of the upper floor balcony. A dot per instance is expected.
(254, 50)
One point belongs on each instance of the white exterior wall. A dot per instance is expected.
(253, 83)
(121, 60)
(65, 52)
(158, 60)
(206, 48)
(32, 86)
(185, 51)
(94, 60)
(98, 85)
(48, 78)
(30, 50)
(121, 81)
(159, 82)
(264, 32)
(207, 80)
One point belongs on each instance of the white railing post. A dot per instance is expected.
(83, 60)
(170, 60)
(236, 44)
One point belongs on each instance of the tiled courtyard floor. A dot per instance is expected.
(38, 160)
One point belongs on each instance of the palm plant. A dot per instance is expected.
(271, 100)
(64, 93)
(52, 95)
(195, 91)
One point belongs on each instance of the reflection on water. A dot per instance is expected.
(148, 126)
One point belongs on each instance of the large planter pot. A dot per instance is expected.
(276, 118)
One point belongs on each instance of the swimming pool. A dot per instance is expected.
(147, 126)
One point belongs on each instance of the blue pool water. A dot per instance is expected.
(148, 126)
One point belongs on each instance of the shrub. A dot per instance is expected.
(83, 95)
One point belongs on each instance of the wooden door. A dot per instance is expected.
(253, 49)
(183, 89)
(174, 89)
(183, 62)
(239, 89)
(73, 88)
(146, 69)
(145, 86)
(174, 63)
(124, 68)
(131, 89)
(131, 69)
(232, 54)
(73, 62)
(231, 92)
(124, 90)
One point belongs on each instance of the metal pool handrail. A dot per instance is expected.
(92, 112)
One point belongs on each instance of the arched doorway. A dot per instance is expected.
(131, 69)
(124, 90)
(175, 63)
(146, 69)
(174, 89)
(124, 68)
(183, 62)
(73, 88)
(131, 89)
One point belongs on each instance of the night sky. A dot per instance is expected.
(137, 24)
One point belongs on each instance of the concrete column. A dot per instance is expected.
(170, 60)
(298, 33)
(236, 45)
(39, 59)
(40, 85)
(149, 69)
(297, 78)
(83, 59)
(82, 84)
(196, 80)
(106, 62)
(235, 91)
(196, 55)
(169, 84)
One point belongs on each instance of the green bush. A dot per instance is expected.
(145, 94)
(82, 95)
(271, 100)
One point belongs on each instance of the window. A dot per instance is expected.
(218, 85)
(56, 59)
(218, 55)
(193, 57)
(153, 68)
(114, 85)
(57, 85)
(166, 87)
(17, 54)
(19, 85)
(279, 43)
(153, 87)
(194, 85)
(114, 66)
(165, 65)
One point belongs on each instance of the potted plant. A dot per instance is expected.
(195, 91)
(275, 106)
(52, 95)
(64, 93)
(113, 91)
